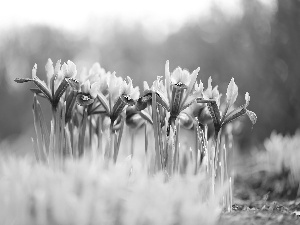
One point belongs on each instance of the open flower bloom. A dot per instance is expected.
(121, 93)
(212, 96)
(69, 69)
(95, 75)
(179, 91)
(58, 80)
(200, 110)
(88, 93)
(238, 112)
(212, 93)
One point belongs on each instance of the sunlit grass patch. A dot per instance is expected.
(89, 191)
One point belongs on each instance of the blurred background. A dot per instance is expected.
(257, 42)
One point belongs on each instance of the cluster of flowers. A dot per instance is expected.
(178, 97)
(106, 102)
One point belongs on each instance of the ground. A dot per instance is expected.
(265, 199)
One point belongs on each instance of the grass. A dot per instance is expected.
(89, 191)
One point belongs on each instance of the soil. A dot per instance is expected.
(264, 198)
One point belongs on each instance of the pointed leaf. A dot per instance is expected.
(201, 100)
(234, 116)
(191, 99)
(60, 90)
(38, 92)
(70, 102)
(160, 100)
(117, 109)
(42, 86)
(215, 115)
(104, 102)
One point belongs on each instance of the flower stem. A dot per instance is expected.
(82, 133)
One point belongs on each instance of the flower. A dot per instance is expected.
(212, 93)
(88, 93)
(69, 69)
(57, 81)
(120, 93)
(179, 91)
(212, 98)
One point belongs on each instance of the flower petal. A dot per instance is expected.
(146, 86)
(57, 67)
(49, 70)
(252, 116)
(231, 94)
(84, 100)
(34, 71)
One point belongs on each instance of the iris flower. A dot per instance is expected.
(212, 98)
(121, 93)
(179, 91)
(58, 80)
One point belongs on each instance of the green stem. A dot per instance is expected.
(117, 141)
(82, 133)
(156, 125)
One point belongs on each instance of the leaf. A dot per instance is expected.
(162, 101)
(234, 116)
(117, 109)
(201, 100)
(22, 80)
(231, 94)
(104, 102)
(60, 91)
(70, 102)
(42, 86)
(215, 114)
(38, 92)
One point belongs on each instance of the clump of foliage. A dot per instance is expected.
(280, 163)
(283, 153)
(91, 109)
